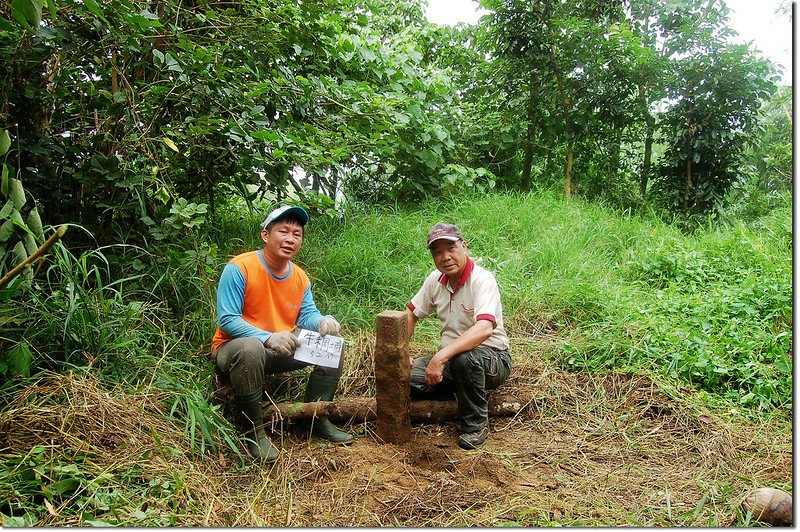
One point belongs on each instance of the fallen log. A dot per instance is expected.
(359, 409)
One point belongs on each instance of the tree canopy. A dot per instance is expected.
(132, 118)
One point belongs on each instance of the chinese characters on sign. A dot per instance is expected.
(319, 350)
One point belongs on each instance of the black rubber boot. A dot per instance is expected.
(322, 388)
(248, 408)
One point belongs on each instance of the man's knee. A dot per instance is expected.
(243, 354)
(417, 375)
(466, 363)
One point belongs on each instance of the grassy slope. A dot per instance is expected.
(712, 308)
(709, 311)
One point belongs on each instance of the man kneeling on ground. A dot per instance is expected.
(473, 353)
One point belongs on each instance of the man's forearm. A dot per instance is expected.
(472, 338)
(236, 327)
(412, 322)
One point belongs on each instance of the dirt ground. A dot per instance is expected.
(586, 450)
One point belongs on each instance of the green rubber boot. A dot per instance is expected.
(258, 443)
(322, 388)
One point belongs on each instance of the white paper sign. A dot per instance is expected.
(319, 350)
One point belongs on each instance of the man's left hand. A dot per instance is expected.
(434, 373)
(329, 326)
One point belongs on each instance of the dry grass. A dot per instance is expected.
(587, 450)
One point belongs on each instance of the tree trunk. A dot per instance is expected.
(648, 154)
(570, 150)
(525, 183)
(212, 200)
(648, 141)
(359, 409)
(566, 103)
(688, 182)
(648, 118)
(615, 152)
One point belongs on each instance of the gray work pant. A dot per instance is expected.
(467, 375)
(246, 361)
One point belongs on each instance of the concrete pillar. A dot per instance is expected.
(392, 376)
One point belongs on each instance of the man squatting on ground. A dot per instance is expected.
(261, 297)
(473, 353)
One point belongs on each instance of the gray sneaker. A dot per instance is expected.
(473, 440)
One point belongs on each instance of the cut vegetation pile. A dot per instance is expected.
(587, 450)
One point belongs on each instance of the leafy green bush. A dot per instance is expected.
(714, 310)
(139, 330)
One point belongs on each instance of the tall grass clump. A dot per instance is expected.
(551, 257)
(75, 315)
(79, 315)
(712, 309)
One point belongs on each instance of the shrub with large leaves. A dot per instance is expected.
(20, 223)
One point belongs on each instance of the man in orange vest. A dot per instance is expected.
(262, 296)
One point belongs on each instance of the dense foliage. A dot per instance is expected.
(118, 110)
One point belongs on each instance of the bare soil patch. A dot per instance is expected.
(589, 450)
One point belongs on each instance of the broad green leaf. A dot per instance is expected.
(148, 15)
(30, 244)
(367, 54)
(5, 142)
(4, 181)
(18, 253)
(401, 118)
(17, 193)
(16, 218)
(26, 520)
(95, 8)
(6, 25)
(6, 230)
(34, 222)
(163, 195)
(171, 63)
(28, 13)
(172, 146)
(99, 523)
(68, 485)
(6, 210)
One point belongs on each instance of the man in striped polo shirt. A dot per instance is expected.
(262, 296)
(473, 353)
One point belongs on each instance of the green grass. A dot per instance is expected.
(709, 310)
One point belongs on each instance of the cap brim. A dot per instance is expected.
(443, 237)
(299, 212)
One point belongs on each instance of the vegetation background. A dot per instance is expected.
(622, 168)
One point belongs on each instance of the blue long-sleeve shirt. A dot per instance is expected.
(233, 287)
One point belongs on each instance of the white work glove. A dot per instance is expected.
(284, 343)
(329, 326)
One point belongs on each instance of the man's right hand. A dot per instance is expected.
(284, 343)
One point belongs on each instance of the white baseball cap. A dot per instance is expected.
(293, 211)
